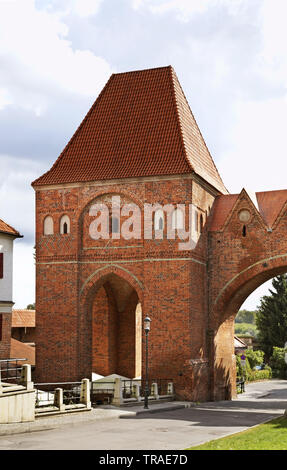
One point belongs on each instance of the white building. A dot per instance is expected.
(7, 237)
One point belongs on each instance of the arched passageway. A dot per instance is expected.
(227, 305)
(113, 328)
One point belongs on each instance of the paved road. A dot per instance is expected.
(169, 430)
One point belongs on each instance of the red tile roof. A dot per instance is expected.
(270, 203)
(140, 125)
(22, 351)
(5, 228)
(23, 318)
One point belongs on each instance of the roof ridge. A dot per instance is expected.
(144, 70)
(178, 119)
(174, 77)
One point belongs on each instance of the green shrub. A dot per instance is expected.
(259, 374)
(239, 368)
(255, 358)
(277, 363)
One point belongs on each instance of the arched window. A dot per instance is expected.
(48, 225)
(177, 219)
(159, 219)
(65, 225)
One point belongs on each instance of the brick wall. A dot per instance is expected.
(73, 276)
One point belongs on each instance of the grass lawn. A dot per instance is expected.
(267, 436)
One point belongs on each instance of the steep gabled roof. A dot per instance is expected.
(140, 125)
(7, 229)
(268, 204)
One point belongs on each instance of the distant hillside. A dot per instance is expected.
(245, 323)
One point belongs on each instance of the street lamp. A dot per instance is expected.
(147, 321)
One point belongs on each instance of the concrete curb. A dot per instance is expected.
(159, 409)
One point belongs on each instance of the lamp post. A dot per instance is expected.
(147, 321)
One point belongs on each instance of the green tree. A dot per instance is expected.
(245, 316)
(31, 307)
(271, 318)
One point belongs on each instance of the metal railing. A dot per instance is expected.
(10, 369)
(102, 392)
(127, 386)
(45, 393)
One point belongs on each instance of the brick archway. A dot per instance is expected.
(224, 311)
(110, 326)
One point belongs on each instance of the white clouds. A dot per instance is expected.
(85, 8)
(274, 40)
(38, 56)
(5, 98)
(16, 193)
(257, 147)
(185, 9)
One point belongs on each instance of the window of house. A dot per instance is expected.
(48, 226)
(159, 219)
(65, 225)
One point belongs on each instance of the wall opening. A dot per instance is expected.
(116, 317)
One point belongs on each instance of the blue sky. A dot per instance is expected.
(55, 56)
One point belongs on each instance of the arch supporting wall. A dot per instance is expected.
(223, 311)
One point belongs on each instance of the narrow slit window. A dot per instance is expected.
(159, 219)
(65, 225)
(244, 231)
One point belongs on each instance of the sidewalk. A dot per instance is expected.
(100, 413)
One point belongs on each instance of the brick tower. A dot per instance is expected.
(139, 144)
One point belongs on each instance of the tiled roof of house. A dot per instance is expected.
(140, 125)
(238, 343)
(22, 351)
(5, 228)
(23, 318)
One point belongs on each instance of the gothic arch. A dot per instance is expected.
(116, 292)
(236, 291)
(101, 273)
